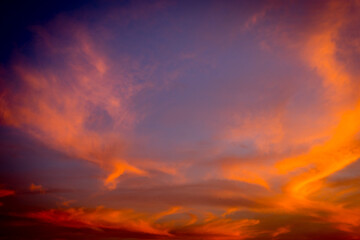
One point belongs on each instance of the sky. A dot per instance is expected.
(183, 120)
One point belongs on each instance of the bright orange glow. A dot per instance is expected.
(120, 168)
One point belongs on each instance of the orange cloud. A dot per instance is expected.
(340, 149)
(281, 230)
(81, 108)
(168, 212)
(36, 188)
(244, 174)
(97, 219)
(102, 218)
(227, 228)
(119, 169)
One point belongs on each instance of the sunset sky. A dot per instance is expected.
(184, 120)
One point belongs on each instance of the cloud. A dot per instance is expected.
(196, 128)
(6, 192)
(281, 230)
(36, 188)
(120, 168)
(130, 220)
(340, 149)
(80, 103)
(98, 218)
